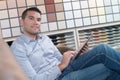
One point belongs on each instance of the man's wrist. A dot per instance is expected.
(61, 66)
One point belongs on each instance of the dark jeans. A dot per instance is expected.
(97, 64)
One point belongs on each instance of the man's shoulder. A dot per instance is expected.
(44, 36)
(17, 42)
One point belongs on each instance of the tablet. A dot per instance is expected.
(81, 47)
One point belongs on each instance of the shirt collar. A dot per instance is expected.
(28, 39)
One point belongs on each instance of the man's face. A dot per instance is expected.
(31, 23)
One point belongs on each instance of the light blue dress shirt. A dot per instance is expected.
(38, 58)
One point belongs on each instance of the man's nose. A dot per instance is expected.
(36, 22)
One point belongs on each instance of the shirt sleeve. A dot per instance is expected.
(57, 53)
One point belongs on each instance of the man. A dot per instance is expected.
(41, 60)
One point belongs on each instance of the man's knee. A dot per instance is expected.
(102, 46)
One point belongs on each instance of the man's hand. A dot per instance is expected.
(66, 59)
(85, 48)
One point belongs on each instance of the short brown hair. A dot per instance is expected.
(30, 9)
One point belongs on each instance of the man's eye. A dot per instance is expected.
(30, 18)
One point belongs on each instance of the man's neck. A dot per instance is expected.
(32, 36)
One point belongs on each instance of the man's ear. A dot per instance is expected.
(21, 22)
